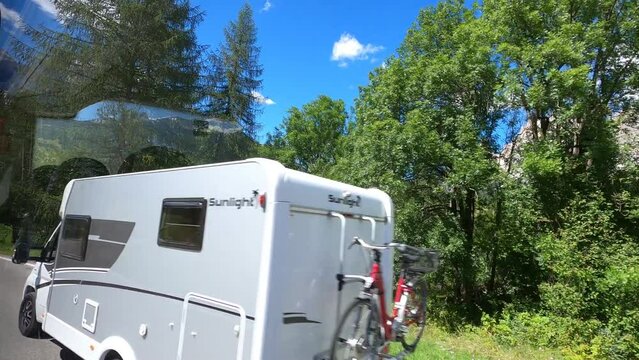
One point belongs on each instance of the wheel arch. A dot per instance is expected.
(111, 354)
(116, 345)
(28, 289)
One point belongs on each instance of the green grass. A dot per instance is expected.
(6, 247)
(472, 344)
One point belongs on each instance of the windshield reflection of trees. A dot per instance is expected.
(117, 88)
(122, 138)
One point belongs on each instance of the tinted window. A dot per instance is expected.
(182, 223)
(75, 233)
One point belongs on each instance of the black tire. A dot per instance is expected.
(368, 337)
(27, 322)
(415, 314)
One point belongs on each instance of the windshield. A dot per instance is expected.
(99, 88)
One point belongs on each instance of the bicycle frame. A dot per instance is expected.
(401, 294)
(391, 326)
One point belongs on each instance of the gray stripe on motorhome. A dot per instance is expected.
(113, 230)
(102, 254)
(139, 290)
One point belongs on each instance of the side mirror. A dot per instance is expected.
(20, 253)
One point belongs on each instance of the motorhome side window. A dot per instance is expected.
(75, 233)
(182, 223)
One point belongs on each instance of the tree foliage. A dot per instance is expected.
(308, 138)
(434, 106)
(117, 49)
(538, 237)
(235, 74)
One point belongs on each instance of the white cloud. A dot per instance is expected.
(47, 6)
(267, 6)
(349, 48)
(261, 99)
(11, 16)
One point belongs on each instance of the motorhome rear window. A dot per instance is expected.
(182, 223)
(75, 233)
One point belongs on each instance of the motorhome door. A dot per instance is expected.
(211, 326)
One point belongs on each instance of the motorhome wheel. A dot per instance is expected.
(27, 322)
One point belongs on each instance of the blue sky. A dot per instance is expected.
(309, 48)
(297, 40)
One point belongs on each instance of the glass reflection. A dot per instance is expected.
(89, 92)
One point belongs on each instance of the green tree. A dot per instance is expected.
(153, 158)
(235, 74)
(568, 65)
(425, 133)
(309, 138)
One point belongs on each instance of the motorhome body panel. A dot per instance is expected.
(142, 284)
(308, 251)
(313, 192)
(306, 302)
(277, 260)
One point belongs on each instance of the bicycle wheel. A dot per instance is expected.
(415, 314)
(358, 335)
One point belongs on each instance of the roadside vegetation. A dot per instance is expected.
(495, 129)
(474, 343)
(5, 240)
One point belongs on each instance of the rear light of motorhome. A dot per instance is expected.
(262, 200)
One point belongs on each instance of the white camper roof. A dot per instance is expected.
(301, 190)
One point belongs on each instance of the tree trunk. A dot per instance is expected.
(495, 250)
(467, 222)
(544, 122)
(576, 140)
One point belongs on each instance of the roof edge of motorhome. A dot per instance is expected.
(250, 160)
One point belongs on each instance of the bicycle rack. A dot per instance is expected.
(372, 239)
(341, 259)
(325, 355)
(373, 224)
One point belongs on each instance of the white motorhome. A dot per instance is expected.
(225, 261)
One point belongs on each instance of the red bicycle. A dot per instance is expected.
(365, 329)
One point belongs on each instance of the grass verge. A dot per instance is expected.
(472, 344)
(6, 248)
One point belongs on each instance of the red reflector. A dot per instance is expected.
(262, 200)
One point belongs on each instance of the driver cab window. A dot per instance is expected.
(75, 234)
